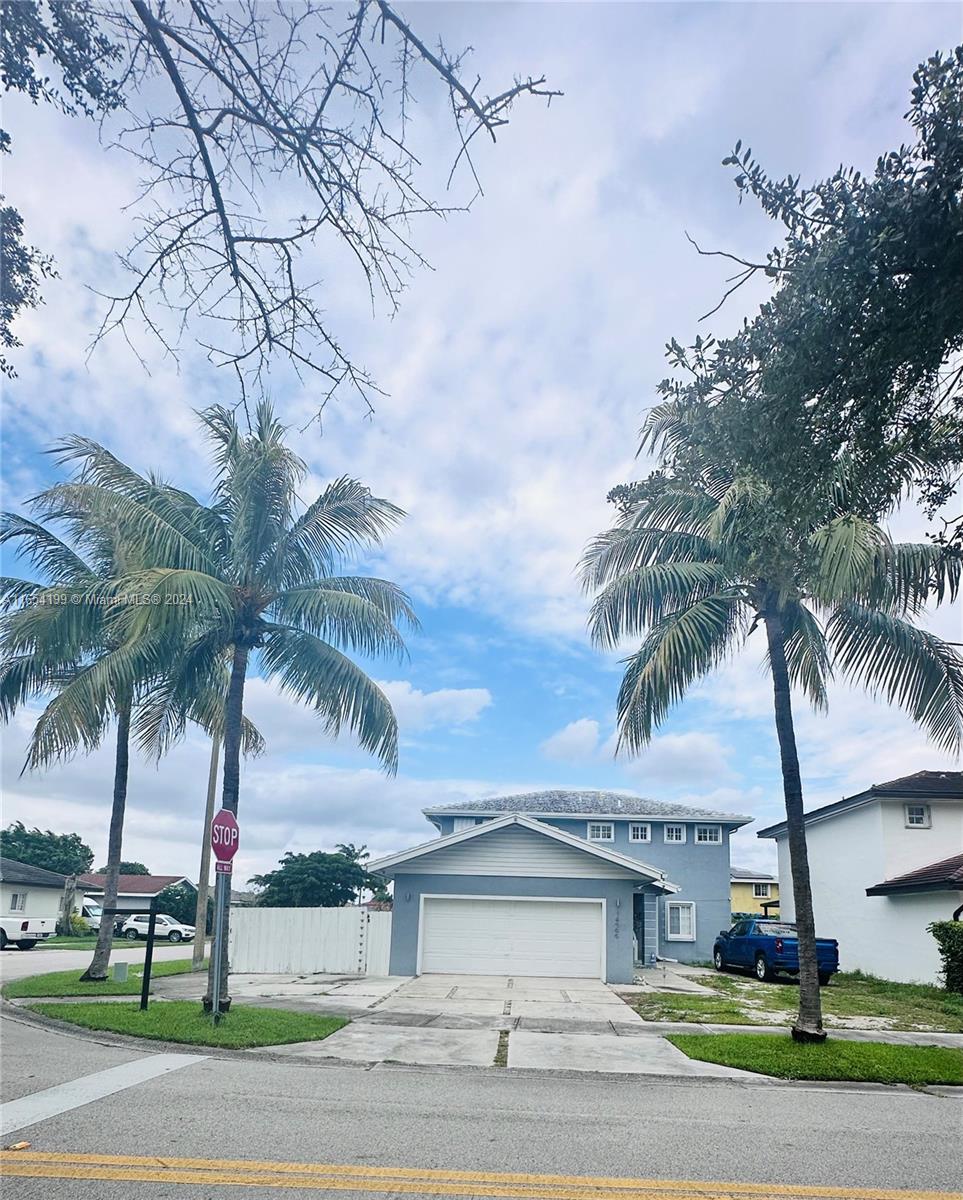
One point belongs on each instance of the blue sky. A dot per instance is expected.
(517, 373)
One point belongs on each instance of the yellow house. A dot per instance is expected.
(753, 892)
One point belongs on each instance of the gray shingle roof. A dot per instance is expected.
(740, 873)
(18, 872)
(579, 803)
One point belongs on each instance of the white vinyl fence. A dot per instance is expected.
(305, 941)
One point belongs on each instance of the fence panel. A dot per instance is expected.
(305, 941)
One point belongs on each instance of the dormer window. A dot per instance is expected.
(917, 816)
(601, 831)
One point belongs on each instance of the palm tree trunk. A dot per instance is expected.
(809, 1022)
(204, 877)
(105, 935)
(233, 717)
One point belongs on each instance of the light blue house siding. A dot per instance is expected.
(617, 893)
(700, 871)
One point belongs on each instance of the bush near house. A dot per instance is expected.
(949, 938)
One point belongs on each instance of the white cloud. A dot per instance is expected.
(577, 742)
(680, 759)
(445, 708)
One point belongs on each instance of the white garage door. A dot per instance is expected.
(512, 937)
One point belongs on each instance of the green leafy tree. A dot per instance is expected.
(857, 351)
(180, 902)
(695, 565)
(253, 576)
(126, 868)
(316, 880)
(65, 853)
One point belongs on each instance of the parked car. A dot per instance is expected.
(768, 947)
(91, 911)
(136, 927)
(25, 932)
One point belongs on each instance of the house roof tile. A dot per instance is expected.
(584, 803)
(945, 875)
(135, 885)
(18, 872)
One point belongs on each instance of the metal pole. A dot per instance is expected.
(221, 882)
(149, 955)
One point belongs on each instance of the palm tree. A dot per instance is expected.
(695, 564)
(57, 637)
(252, 576)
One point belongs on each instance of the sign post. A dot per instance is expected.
(225, 838)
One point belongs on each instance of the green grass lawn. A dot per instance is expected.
(67, 983)
(862, 1062)
(742, 1000)
(68, 943)
(183, 1021)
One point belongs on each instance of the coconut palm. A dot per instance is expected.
(694, 565)
(56, 638)
(252, 576)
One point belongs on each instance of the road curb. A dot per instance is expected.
(119, 1041)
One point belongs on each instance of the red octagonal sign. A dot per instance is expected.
(225, 835)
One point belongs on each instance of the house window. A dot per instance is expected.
(709, 835)
(680, 921)
(18, 901)
(639, 832)
(674, 833)
(760, 891)
(917, 816)
(601, 831)
(463, 823)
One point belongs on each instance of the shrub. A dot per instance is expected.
(78, 926)
(949, 937)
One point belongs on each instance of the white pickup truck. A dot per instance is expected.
(24, 931)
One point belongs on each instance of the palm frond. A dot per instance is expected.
(807, 653)
(845, 550)
(343, 616)
(339, 691)
(680, 649)
(742, 494)
(907, 666)
(623, 549)
(643, 597)
(58, 563)
(905, 577)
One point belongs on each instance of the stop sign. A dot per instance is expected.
(225, 835)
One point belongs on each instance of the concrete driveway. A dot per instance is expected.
(518, 1022)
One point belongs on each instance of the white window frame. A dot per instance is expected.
(674, 841)
(680, 937)
(924, 809)
(646, 829)
(18, 902)
(609, 825)
(761, 891)
(709, 841)
(461, 823)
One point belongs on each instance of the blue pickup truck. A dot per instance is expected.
(766, 947)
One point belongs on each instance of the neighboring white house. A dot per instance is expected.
(860, 850)
(32, 891)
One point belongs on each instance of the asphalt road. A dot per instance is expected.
(15, 964)
(397, 1123)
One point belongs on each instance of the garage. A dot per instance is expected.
(482, 935)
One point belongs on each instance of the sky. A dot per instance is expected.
(517, 373)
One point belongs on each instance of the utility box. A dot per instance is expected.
(118, 972)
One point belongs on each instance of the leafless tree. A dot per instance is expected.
(285, 124)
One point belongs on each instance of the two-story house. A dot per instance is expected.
(560, 883)
(884, 864)
(754, 893)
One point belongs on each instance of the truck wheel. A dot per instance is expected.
(131, 935)
(763, 971)
(824, 978)
(3, 940)
(26, 945)
(717, 960)
(174, 935)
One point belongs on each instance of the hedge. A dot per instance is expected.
(949, 936)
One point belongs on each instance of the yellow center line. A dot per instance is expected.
(412, 1180)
